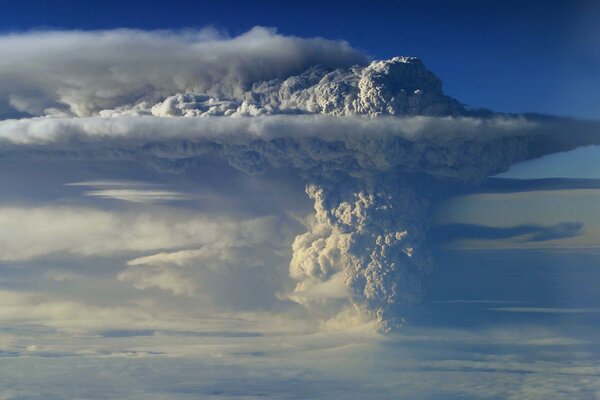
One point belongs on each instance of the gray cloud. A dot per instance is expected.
(523, 233)
(463, 148)
(507, 185)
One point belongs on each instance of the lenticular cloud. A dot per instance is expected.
(374, 143)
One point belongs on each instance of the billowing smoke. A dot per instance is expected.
(374, 144)
(375, 236)
(400, 86)
(82, 73)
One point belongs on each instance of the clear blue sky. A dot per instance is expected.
(516, 56)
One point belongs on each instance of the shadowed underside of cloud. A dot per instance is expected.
(372, 142)
(507, 185)
(523, 233)
(81, 73)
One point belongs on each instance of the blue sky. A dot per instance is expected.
(514, 56)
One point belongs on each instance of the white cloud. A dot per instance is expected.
(415, 365)
(321, 291)
(77, 316)
(112, 183)
(177, 258)
(62, 276)
(256, 246)
(399, 86)
(167, 279)
(547, 310)
(81, 73)
(138, 196)
(131, 191)
(53, 311)
(27, 233)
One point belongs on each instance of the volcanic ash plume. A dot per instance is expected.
(372, 142)
(375, 237)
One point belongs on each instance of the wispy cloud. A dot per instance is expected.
(520, 233)
(547, 310)
(507, 185)
(139, 196)
(132, 191)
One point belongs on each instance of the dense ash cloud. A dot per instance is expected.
(400, 86)
(464, 148)
(375, 235)
(374, 143)
(81, 73)
(203, 73)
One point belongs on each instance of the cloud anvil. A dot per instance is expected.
(374, 143)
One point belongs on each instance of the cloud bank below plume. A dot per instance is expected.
(374, 143)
